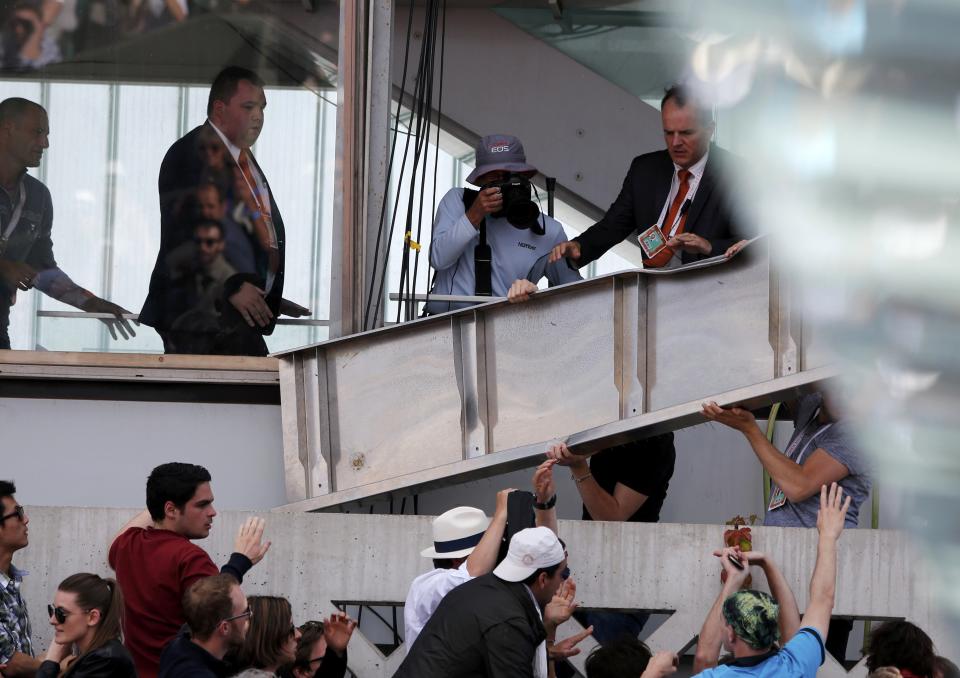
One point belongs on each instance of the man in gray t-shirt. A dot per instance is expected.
(822, 450)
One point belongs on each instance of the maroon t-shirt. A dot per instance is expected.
(154, 568)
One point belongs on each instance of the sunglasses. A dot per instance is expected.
(246, 613)
(58, 613)
(565, 575)
(207, 241)
(17, 511)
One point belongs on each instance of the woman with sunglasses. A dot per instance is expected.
(85, 615)
(270, 647)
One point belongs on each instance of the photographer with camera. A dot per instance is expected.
(484, 241)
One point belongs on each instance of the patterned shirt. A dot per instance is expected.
(14, 622)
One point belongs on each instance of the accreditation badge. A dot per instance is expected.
(652, 241)
(777, 498)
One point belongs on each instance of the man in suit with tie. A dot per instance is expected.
(251, 300)
(680, 189)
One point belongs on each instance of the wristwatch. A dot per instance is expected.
(550, 503)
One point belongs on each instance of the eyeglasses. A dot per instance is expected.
(17, 511)
(209, 242)
(58, 613)
(246, 613)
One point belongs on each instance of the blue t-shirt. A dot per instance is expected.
(837, 440)
(800, 657)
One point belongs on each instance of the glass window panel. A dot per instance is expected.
(77, 172)
(121, 83)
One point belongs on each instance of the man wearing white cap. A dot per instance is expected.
(502, 217)
(493, 626)
(465, 545)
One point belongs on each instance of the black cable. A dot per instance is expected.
(411, 301)
(403, 166)
(436, 156)
(393, 147)
(422, 100)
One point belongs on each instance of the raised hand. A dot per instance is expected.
(562, 606)
(568, 646)
(249, 540)
(833, 511)
(543, 485)
(337, 630)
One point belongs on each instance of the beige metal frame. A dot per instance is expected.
(484, 390)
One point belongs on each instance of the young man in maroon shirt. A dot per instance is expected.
(156, 561)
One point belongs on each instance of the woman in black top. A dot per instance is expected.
(86, 615)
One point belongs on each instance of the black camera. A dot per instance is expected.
(518, 208)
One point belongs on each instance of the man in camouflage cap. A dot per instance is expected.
(748, 623)
(752, 617)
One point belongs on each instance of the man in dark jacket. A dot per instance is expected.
(492, 626)
(681, 189)
(217, 613)
(251, 300)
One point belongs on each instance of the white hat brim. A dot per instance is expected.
(432, 553)
(512, 572)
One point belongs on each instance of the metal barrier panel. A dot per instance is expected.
(404, 406)
(709, 331)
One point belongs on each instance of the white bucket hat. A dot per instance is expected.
(530, 550)
(456, 533)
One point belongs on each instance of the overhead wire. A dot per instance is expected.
(423, 96)
(367, 322)
(436, 154)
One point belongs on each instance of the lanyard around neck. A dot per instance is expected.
(15, 217)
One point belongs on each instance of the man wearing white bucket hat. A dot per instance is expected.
(465, 545)
(493, 625)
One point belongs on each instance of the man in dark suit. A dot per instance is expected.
(493, 626)
(681, 189)
(251, 300)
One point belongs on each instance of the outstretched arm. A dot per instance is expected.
(545, 491)
(798, 482)
(484, 556)
(602, 505)
(823, 583)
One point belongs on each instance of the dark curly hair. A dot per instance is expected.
(901, 644)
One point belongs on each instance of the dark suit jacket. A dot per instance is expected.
(643, 196)
(181, 173)
(485, 628)
(110, 661)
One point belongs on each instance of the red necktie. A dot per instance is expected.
(663, 257)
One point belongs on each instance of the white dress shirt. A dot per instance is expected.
(696, 174)
(425, 594)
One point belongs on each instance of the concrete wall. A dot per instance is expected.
(99, 452)
(317, 559)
